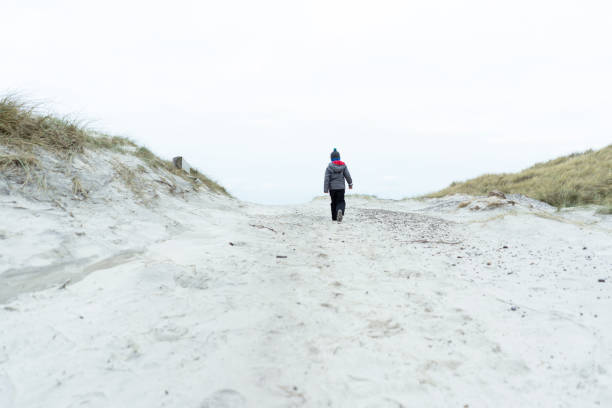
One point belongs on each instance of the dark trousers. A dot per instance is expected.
(337, 203)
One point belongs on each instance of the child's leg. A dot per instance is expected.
(341, 204)
(332, 194)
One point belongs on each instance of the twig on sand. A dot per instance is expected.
(262, 227)
(172, 187)
(63, 285)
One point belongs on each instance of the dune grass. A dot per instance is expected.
(211, 184)
(578, 179)
(23, 130)
(13, 160)
(155, 162)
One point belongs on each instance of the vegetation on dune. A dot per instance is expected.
(577, 179)
(23, 130)
(12, 160)
(155, 162)
(211, 184)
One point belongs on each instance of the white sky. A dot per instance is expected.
(256, 94)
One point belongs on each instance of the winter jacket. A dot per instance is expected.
(335, 174)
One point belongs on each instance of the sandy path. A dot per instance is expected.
(394, 307)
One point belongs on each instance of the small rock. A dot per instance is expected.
(513, 308)
(281, 256)
(601, 280)
(584, 248)
(505, 247)
(63, 285)
(231, 243)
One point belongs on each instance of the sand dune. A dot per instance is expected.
(210, 302)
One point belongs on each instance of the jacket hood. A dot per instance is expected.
(337, 166)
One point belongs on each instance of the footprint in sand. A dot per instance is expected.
(169, 332)
(191, 278)
(224, 399)
(383, 328)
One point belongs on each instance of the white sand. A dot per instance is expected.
(405, 304)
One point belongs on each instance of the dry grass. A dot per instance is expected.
(195, 177)
(77, 188)
(211, 184)
(23, 130)
(577, 179)
(25, 164)
(20, 161)
(116, 143)
(130, 178)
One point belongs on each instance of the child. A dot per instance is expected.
(335, 174)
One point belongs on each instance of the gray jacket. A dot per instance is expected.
(335, 174)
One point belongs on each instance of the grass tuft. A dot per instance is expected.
(577, 179)
(23, 129)
(77, 188)
(19, 161)
(116, 143)
(211, 184)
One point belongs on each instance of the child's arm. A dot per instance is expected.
(347, 176)
(326, 180)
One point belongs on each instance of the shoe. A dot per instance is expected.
(340, 215)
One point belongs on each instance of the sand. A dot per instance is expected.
(210, 302)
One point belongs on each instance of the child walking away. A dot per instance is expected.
(335, 174)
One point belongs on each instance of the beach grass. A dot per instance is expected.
(573, 180)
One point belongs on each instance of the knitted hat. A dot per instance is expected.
(335, 155)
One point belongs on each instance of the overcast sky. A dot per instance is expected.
(414, 94)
